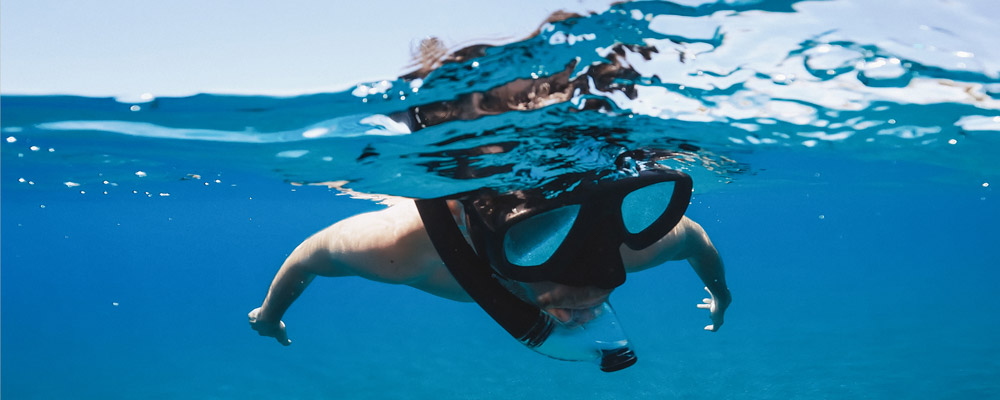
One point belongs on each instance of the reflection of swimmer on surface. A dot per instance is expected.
(541, 262)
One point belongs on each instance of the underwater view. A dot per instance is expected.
(844, 158)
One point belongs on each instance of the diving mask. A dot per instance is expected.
(572, 238)
(575, 237)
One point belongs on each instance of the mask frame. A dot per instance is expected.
(471, 266)
(590, 252)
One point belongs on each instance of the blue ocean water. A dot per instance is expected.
(844, 157)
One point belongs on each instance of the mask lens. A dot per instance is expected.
(644, 206)
(533, 241)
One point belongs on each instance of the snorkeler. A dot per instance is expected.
(541, 262)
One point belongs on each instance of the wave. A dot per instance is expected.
(711, 83)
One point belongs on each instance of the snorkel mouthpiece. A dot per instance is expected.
(617, 360)
(600, 340)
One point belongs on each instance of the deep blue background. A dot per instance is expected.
(890, 295)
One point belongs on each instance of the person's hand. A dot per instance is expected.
(267, 328)
(716, 306)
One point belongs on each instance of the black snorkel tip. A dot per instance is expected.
(617, 359)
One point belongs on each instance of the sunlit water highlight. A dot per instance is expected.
(712, 82)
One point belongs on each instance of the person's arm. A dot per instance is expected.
(309, 259)
(705, 260)
(387, 246)
(688, 241)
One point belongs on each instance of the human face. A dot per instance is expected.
(569, 304)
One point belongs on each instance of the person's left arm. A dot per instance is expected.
(688, 241)
(705, 259)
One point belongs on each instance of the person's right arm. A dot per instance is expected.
(309, 259)
(387, 246)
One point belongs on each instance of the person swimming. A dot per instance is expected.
(542, 262)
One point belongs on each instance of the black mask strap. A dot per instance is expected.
(525, 322)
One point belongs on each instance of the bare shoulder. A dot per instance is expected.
(388, 245)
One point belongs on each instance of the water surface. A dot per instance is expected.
(844, 157)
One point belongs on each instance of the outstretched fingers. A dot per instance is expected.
(709, 304)
(282, 336)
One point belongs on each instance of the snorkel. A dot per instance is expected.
(572, 238)
(524, 321)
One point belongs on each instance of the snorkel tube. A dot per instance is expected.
(600, 340)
